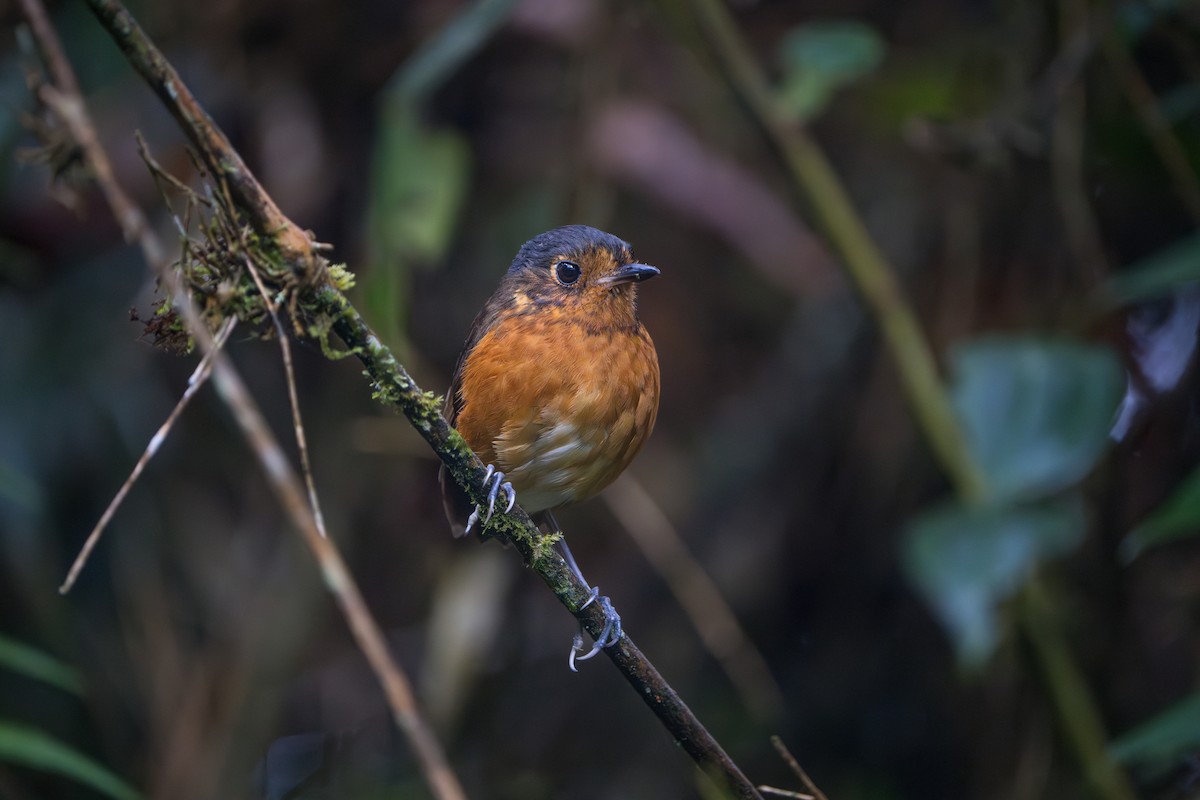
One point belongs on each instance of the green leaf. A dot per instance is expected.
(17, 488)
(1176, 518)
(419, 180)
(821, 58)
(1135, 19)
(33, 663)
(1181, 104)
(1163, 738)
(966, 560)
(440, 56)
(30, 747)
(1036, 413)
(1160, 273)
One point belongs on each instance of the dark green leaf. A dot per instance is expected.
(1178, 517)
(35, 664)
(30, 747)
(1135, 19)
(967, 560)
(1168, 735)
(442, 55)
(419, 179)
(820, 58)
(1157, 275)
(1181, 104)
(1036, 413)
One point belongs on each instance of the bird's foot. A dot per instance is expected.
(496, 478)
(610, 634)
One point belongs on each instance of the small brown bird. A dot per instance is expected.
(557, 386)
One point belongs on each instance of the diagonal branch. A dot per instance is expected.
(219, 156)
(321, 299)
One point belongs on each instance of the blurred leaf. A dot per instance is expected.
(1158, 274)
(1176, 518)
(419, 175)
(30, 747)
(1134, 19)
(442, 54)
(967, 560)
(419, 181)
(20, 490)
(820, 58)
(1036, 412)
(1181, 104)
(925, 85)
(1163, 738)
(33, 663)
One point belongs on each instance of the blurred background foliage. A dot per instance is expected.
(1030, 171)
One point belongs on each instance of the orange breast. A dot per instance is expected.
(560, 410)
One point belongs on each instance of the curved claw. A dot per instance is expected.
(610, 634)
(496, 476)
(471, 520)
(576, 647)
(612, 624)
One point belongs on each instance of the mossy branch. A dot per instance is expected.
(319, 298)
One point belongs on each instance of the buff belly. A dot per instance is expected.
(559, 410)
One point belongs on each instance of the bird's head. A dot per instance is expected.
(576, 269)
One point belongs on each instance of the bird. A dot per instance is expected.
(557, 386)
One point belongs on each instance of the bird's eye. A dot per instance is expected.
(567, 272)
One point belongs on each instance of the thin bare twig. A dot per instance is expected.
(51, 49)
(394, 386)
(697, 594)
(285, 348)
(1067, 157)
(203, 370)
(280, 475)
(1158, 128)
(794, 765)
(771, 790)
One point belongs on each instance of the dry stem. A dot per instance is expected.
(66, 100)
(198, 378)
(697, 594)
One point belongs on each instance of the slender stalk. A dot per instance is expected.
(698, 595)
(198, 379)
(1158, 128)
(870, 271)
(877, 284)
(1068, 688)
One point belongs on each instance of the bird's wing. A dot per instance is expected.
(457, 505)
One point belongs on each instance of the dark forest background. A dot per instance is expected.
(1029, 169)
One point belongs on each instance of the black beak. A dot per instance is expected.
(631, 273)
